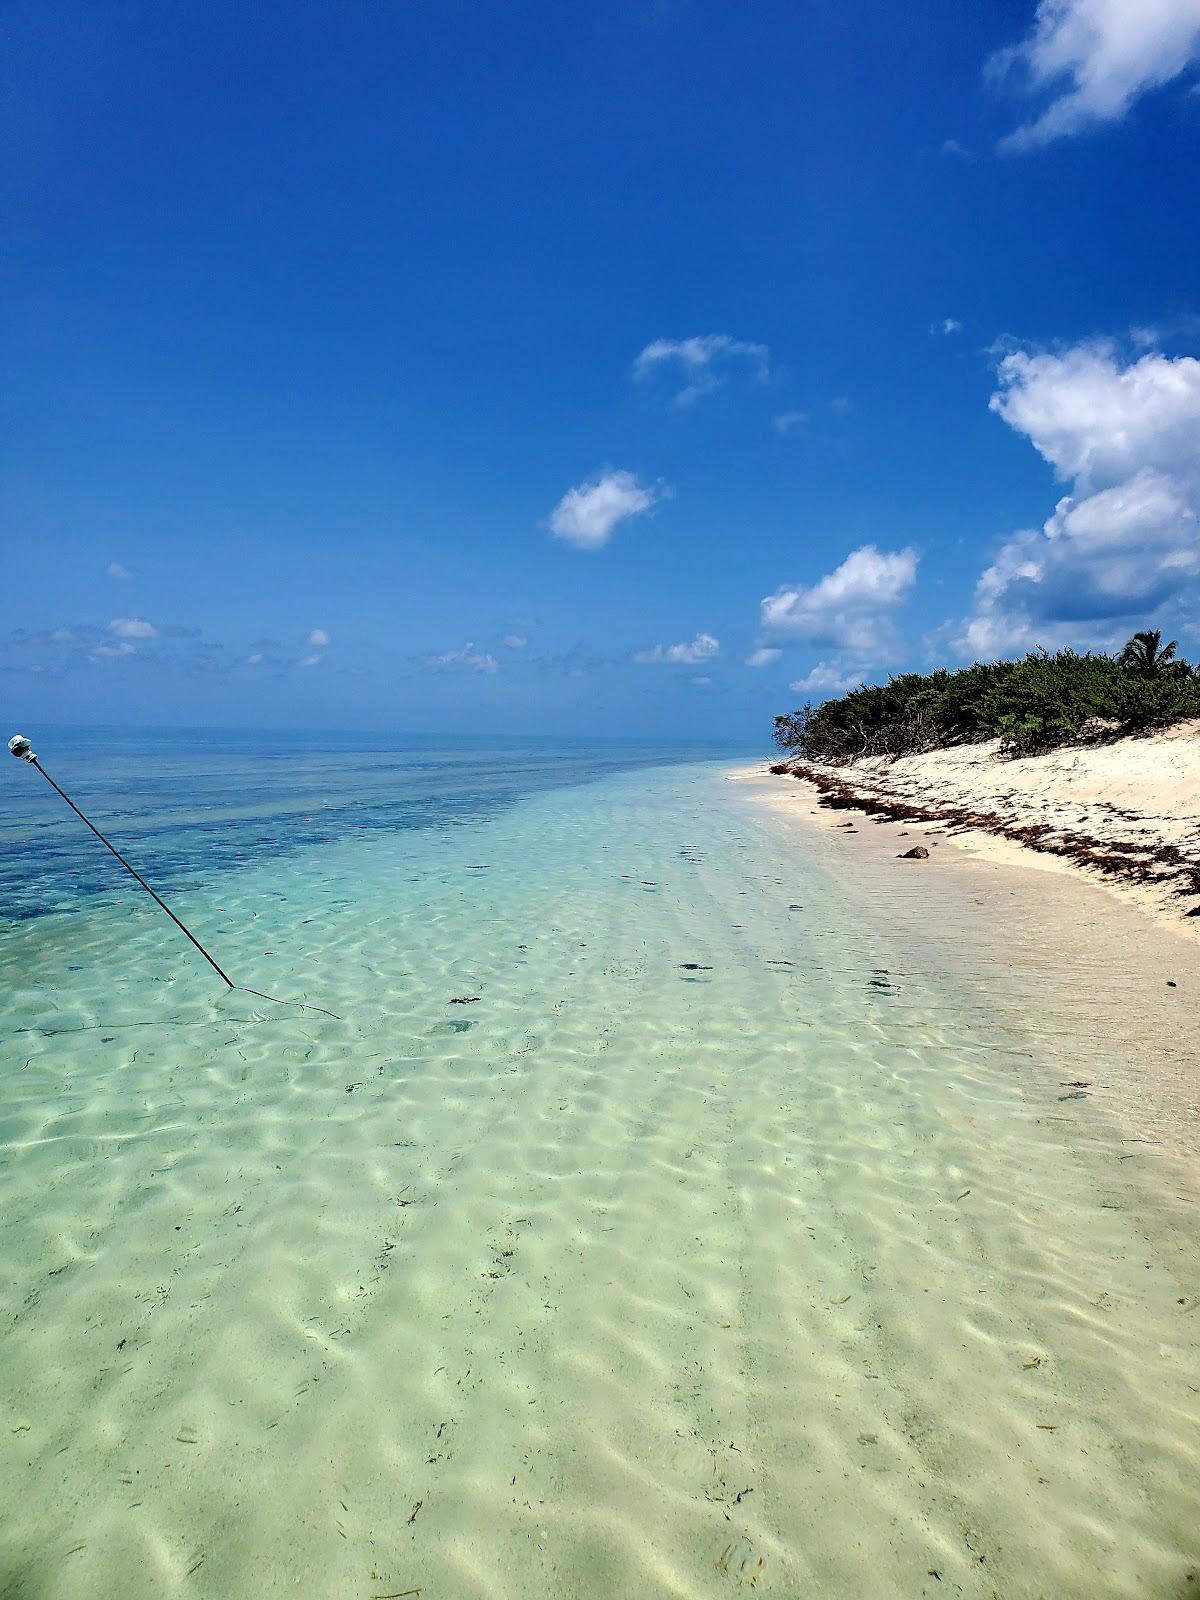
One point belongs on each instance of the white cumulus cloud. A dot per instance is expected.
(763, 656)
(319, 638)
(514, 641)
(132, 628)
(702, 364)
(848, 608)
(1096, 420)
(1124, 542)
(587, 514)
(1094, 58)
(702, 648)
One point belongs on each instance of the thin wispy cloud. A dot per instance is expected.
(789, 422)
(468, 659)
(175, 649)
(702, 648)
(319, 637)
(116, 570)
(827, 679)
(514, 641)
(1094, 59)
(587, 515)
(702, 365)
(764, 656)
(951, 325)
(1152, 335)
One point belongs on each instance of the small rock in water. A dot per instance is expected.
(464, 1000)
(917, 853)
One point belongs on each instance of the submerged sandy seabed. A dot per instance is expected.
(676, 1208)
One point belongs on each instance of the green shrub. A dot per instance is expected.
(1034, 704)
(1060, 693)
(1156, 702)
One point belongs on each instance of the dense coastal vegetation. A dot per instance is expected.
(1031, 705)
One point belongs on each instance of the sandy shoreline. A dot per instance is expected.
(1125, 815)
(1049, 930)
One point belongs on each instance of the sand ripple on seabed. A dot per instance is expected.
(789, 1269)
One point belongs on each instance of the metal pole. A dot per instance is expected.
(23, 750)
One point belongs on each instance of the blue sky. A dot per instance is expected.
(627, 368)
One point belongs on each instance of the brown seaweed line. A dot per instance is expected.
(1128, 860)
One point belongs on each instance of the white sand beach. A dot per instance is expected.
(1125, 814)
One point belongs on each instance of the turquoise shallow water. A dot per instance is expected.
(670, 1209)
(192, 804)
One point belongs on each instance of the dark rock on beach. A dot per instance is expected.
(917, 853)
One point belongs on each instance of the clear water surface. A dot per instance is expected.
(666, 1209)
